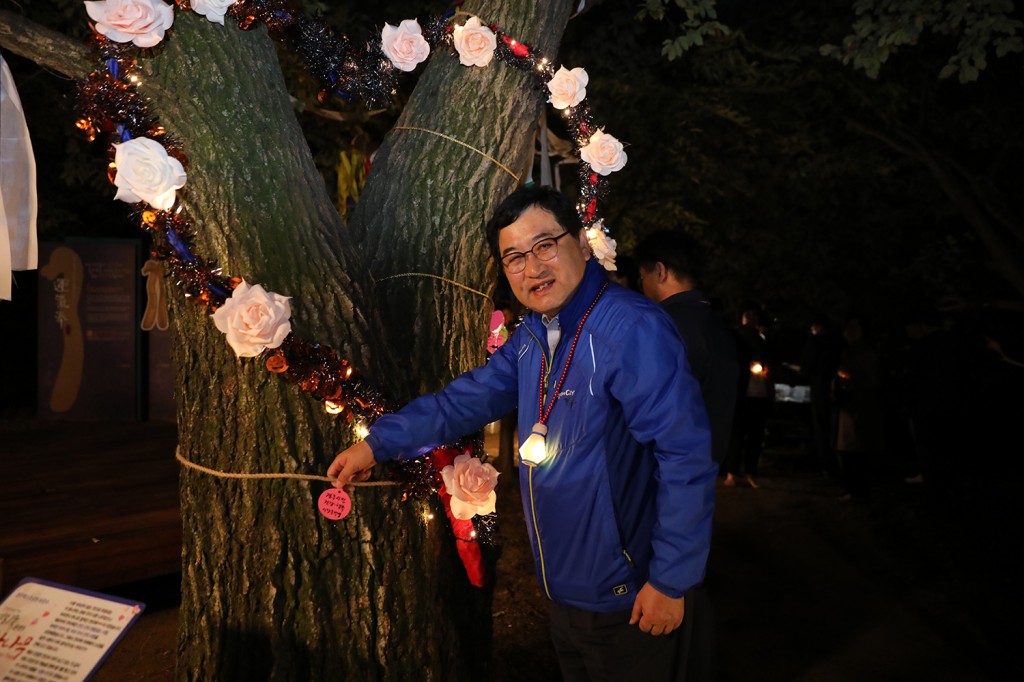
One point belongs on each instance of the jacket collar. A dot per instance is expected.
(691, 296)
(594, 278)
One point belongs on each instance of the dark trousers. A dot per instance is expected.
(857, 471)
(604, 647)
(748, 436)
(823, 430)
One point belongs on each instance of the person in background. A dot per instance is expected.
(668, 275)
(755, 399)
(818, 364)
(858, 396)
(616, 470)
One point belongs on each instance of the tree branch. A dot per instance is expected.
(965, 201)
(332, 115)
(44, 46)
(887, 140)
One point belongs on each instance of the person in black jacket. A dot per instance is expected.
(668, 275)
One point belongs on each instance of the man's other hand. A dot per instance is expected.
(656, 613)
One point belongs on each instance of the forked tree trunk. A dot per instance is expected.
(271, 590)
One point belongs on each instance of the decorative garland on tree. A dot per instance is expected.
(148, 166)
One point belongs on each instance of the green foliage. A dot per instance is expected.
(969, 31)
(746, 145)
(699, 21)
(882, 27)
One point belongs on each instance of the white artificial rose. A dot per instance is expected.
(474, 42)
(471, 484)
(213, 10)
(404, 44)
(603, 153)
(602, 246)
(145, 172)
(254, 319)
(568, 88)
(142, 22)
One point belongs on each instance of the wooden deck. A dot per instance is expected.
(90, 504)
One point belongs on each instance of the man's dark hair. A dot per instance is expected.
(547, 198)
(678, 251)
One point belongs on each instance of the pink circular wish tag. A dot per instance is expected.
(335, 504)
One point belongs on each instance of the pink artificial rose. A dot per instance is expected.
(604, 153)
(471, 484)
(568, 88)
(146, 172)
(254, 319)
(142, 22)
(474, 42)
(601, 245)
(404, 44)
(213, 10)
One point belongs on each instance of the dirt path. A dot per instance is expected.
(805, 588)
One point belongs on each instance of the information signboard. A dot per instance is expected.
(57, 633)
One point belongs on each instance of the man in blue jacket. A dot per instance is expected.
(618, 491)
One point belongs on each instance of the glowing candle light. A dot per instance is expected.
(535, 449)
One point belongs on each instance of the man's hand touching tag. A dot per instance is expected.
(352, 466)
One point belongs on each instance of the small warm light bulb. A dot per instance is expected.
(333, 407)
(756, 368)
(535, 450)
(472, 533)
(361, 431)
(430, 516)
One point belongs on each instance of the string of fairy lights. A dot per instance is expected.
(109, 103)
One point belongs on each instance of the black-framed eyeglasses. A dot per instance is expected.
(545, 249)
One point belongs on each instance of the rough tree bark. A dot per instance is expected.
(270, 589)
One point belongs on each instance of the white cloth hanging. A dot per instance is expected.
(18, 204)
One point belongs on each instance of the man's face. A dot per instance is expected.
(544, 286)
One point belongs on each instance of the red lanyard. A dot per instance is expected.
(541, 412)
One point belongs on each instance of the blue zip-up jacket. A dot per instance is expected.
(627, 491)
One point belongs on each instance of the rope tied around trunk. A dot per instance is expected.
(255, 477)
(482, 153)
(443, 279)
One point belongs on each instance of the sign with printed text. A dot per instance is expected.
(58, 633)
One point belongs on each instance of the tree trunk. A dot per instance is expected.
(271, 589)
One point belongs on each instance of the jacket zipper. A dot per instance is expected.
(536, 534)
(533, 506)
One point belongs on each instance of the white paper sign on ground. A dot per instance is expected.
(57, 633)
